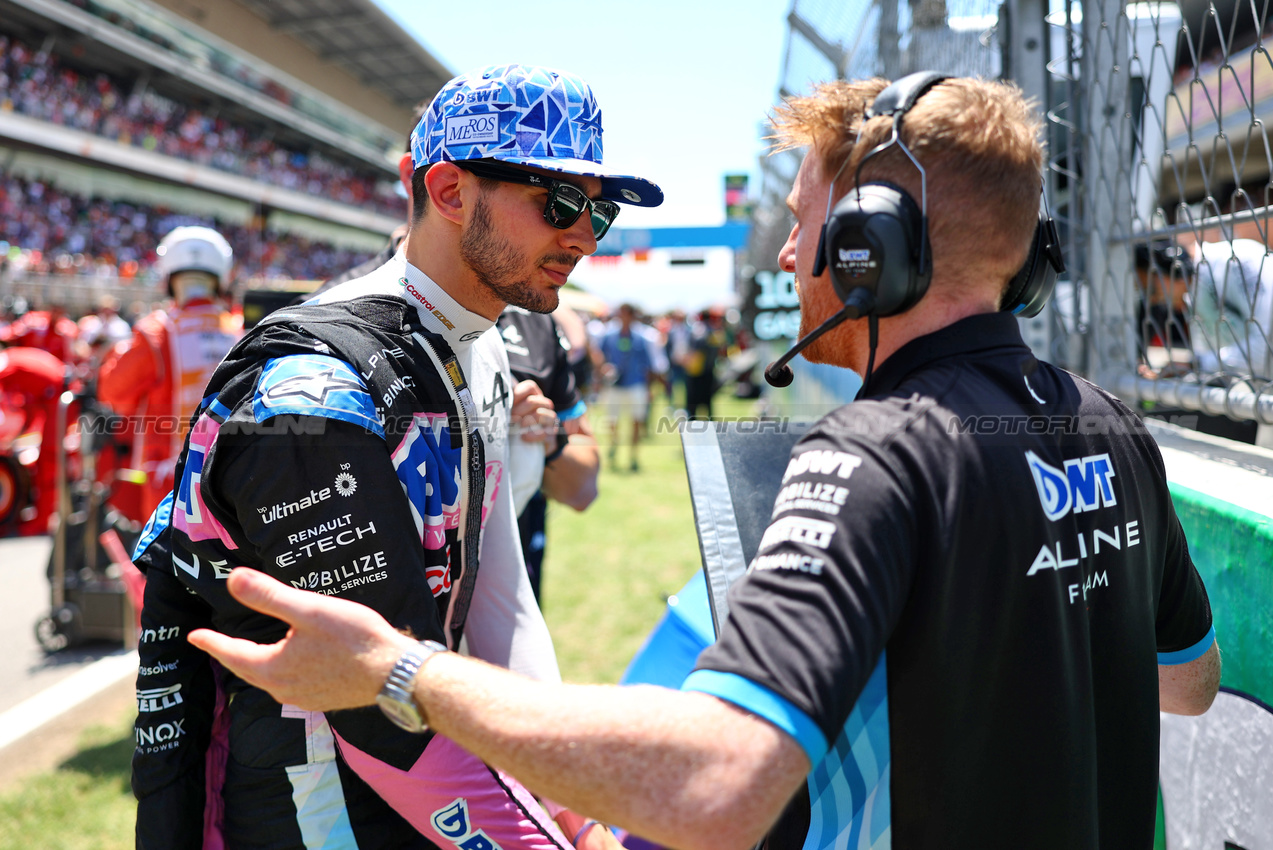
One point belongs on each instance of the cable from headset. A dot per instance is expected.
(873, 325)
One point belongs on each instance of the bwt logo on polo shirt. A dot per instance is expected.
(1084, 484)
(472, 129)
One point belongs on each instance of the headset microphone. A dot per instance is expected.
(859, 303)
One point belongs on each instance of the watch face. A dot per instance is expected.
(403, 714)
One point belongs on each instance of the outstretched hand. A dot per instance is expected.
(337, 653)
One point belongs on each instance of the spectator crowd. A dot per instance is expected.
(36, 84)
(50, 231)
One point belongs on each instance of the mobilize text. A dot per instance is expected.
(811, 495)
(353, 574)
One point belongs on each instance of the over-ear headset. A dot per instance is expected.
(875, 240)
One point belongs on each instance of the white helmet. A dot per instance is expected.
(195, 249)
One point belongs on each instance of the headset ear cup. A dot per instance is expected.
(873, 240)
(1031, 287)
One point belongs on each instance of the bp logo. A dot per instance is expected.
(1083, 485)
(346, 484)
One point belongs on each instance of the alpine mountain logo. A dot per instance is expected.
(1084, 484)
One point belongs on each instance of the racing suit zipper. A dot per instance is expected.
(472, 482)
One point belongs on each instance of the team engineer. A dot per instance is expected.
(357, 446)
(950, 637)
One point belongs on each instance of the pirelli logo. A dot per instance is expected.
(798, 529)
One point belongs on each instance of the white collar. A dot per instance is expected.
(439, 312)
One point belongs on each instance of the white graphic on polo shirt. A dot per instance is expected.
(1084, 484)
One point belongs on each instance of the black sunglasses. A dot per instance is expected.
(566, 201)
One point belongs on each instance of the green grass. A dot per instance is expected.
(85, 804)
(607, 576)
(609, 570)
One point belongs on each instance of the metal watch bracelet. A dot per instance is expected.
(396, 699)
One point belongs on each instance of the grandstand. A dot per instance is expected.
(280, 123)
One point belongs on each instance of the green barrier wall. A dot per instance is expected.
(1233, 551)
(1232, 548)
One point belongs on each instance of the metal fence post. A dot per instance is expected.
(1106, 189)
(1024, 34)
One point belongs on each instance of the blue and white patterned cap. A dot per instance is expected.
(524, 115)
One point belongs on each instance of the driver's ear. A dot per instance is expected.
(445, 183)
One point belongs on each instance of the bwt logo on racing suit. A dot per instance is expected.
(453, 821)
(1084, 484)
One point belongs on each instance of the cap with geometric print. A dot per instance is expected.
(524, 115)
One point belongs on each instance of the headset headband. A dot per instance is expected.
(901, 95)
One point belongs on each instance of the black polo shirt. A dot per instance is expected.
(959, 607)
(538, 352)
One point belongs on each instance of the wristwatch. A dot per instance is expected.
(395, 698)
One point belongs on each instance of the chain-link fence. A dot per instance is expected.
(1166, 106)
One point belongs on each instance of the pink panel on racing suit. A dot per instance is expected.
(494, 474)
(456, 800)
(190, 515)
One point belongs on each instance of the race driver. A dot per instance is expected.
(357, 446)
(156, 378)
(960, 626)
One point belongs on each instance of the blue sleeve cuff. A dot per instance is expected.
(1184, 656)
(573, 412)
(762, 702)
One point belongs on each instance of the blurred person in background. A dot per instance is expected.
(707, 344)
(632, 360)
(1232, 293)
(31, 379)
(50, 330)
(157, 377)
(581, 350)
(1164, 272)
(103, 329)
(676, 347)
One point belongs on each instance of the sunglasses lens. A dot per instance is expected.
(603, 215)
(566, 203)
